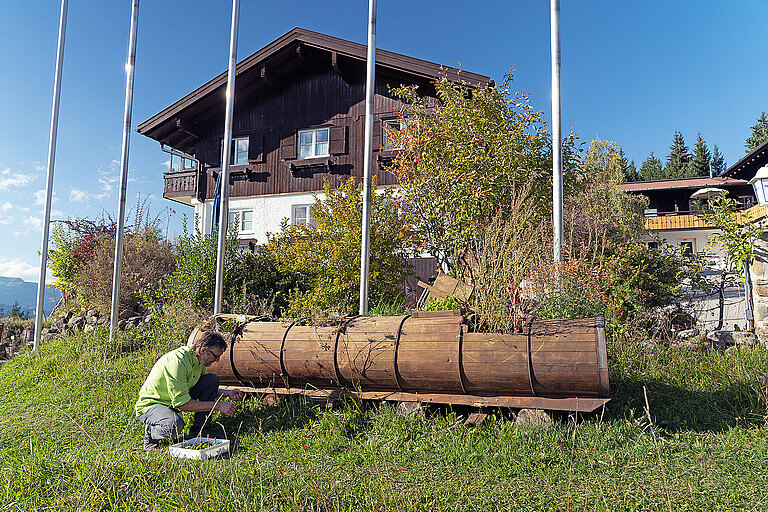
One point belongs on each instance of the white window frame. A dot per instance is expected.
(388, 125)
(233, 155)
(692, 241)
(313, 148)
(306, 216)
(241, 213)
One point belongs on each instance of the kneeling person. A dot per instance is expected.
(179, 382)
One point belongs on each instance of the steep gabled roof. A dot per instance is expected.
(749, 164)
(262, 72)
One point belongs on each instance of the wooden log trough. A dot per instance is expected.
(426, 357)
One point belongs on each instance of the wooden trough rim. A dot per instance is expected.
(574, 404)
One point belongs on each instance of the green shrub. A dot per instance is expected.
(580, 291)
(326, 253)
(442, 304)
(82, 260)
(252, 282)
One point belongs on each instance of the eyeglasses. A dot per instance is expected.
(216, 357)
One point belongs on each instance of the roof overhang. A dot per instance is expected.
(749, 164)
(681, 184)
(263, 72)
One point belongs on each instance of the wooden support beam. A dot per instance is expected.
(340, 69)
(575, 404)
(188, 127)
(268, 79)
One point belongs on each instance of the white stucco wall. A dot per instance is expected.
(268, 212)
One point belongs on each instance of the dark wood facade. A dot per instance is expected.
(302, 80)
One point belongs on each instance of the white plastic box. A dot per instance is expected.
(184, 449)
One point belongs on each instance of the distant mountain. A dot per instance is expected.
(14, 289)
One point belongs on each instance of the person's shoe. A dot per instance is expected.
(149, 443)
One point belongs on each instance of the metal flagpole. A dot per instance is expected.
(225, 157)
(557, 141)
(369, 86)
(129, 69)
(39, 312)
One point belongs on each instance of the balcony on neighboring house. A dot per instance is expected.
(689, 220)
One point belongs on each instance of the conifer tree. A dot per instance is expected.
(759, 133)
(651, 169)
(718, 161)
(701, 158)
(679, 158)
(629, 168)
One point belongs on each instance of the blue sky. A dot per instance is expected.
(632, 72)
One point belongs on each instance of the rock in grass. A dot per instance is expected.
(532, 417)
(721, 339)
(406, 409)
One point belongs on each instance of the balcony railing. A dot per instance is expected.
(688, 220)
(180, 183)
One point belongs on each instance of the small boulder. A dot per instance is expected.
(532, 417)
(126, 314)
(721, 339)
(406, 409)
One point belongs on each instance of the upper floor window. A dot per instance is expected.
(390, 127)
(244, 219)
(313, 143)
(300, 214)
(239, 153)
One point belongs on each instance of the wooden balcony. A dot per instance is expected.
(180, 185)
(686, 220)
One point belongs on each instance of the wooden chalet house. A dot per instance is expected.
(298, 118)
(671, 211)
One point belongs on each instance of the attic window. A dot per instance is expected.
(313, 143)
(239, 153)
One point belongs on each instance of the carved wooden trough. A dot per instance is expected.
(427, 357)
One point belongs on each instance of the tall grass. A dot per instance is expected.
(69, 441)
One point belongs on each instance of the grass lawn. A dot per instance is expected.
(69, 441)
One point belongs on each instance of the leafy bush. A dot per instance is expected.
(442, 304)
(82, 260)
(464, 159)
(571, 289)
(252, 282)
(326, 253)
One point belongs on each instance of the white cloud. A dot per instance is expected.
(18, 268)
(33, 222)
(6, 207)
(78, 195)
(40, 197)
(14, 179)
(39, 166)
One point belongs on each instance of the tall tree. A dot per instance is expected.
(701, 158)
(718, 161)
(629, 168)
(651, 169)
(759, 133)
(678, 161)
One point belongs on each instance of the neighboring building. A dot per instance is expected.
(299, 116)
(671, 214)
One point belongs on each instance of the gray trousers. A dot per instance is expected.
(164, 422)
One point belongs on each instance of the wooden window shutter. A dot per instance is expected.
(376, 133)
(256, 148)
(338, 140)
(288, 147)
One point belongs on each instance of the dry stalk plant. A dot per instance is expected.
(498, 260)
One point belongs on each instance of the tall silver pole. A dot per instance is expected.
(557, 141)
(129, 69)
(39, 312)
(368, 157)
(224, 202)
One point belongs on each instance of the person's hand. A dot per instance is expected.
(227, 408)
(234, 394)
